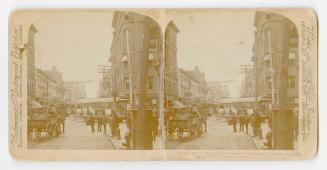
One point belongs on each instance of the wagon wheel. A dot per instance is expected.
(38, 132)
(170, 135)
(179, 132)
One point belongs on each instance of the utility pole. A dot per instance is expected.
(103, 70)
(282, 115)
(47, 89)
(245, 69)
(143, 124)
(130, 71)
(256, 83)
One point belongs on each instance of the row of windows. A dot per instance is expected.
(150, 83)
(291, 82)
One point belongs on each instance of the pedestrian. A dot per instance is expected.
(234, 122)
(253, 126)
(91, 120)
(115, 131)
(257, 119)
(246, 123)
(104, 121)
(100, 120)
(241, 127)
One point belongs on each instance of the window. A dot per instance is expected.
(153, 45)
(150, 82)
(266, 41)
(126, 83)
(269, 82)
(291, 82)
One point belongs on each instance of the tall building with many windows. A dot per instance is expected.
(276, 48)
(136, 51)
(276, 65)
(170, 61)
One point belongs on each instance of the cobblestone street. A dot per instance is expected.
(77, 136)
(218, 136)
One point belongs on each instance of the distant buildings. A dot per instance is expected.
(216, 91)
(192, 86)
(74, 90)
(188, 88)
(46, 91)
(50, 87)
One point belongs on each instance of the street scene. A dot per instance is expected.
(93, 81)
(231, 81)
(208, 80)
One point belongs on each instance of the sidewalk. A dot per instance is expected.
(260, 143)
(119, 143)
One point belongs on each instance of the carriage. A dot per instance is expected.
(183, 120)
(39, 122)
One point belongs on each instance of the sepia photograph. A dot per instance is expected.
(231, 81)
(93, 81)
(163, 84)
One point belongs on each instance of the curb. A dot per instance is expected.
(114, 143)
(257, 143)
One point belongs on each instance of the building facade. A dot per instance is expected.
(276, 48)
(46, 87)
(216, 92)
(74, 90)
(247, 85)
(188, 88)
(202, 90)
(55, 75)
(136, 51)
(170, 60)
(276, 65)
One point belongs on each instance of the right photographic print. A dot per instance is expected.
(231, 81)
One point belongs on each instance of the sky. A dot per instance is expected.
(75, 43)
(218, 42)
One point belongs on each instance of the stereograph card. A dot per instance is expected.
(163, 84)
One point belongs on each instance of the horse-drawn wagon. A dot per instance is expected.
(42, 120)
(183, 120)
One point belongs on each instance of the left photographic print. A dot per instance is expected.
(85, 86)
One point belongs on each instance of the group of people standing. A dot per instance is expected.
(99, 118)
(243, 120)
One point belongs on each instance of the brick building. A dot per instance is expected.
(276, 65)
(170, 61)
(136, 44)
